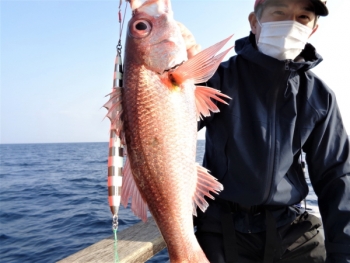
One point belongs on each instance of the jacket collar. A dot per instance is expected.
(246, 47)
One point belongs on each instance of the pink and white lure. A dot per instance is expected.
(116, 153)
(116, 149)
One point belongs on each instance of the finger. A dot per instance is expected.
(187, 36)
(194, 50)
(191, 46)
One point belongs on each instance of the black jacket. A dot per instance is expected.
(253, 146)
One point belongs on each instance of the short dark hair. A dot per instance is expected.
(259, 8)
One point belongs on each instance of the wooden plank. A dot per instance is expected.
(135, 244)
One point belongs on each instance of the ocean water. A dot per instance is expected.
(53, 200)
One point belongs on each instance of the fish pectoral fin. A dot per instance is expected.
(206, 183)
(115, 110)
(204, 104)
(130, 190)
(200, 67)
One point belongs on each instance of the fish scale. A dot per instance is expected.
(162, 161)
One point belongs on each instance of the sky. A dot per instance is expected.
(57, 61)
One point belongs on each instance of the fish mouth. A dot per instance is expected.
(174, 67)
(170, 69)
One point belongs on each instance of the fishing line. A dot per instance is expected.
(121, 21)
(121, 25)
(115, 230)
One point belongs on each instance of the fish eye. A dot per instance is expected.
(140, 28)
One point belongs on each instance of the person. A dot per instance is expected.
(279, 108)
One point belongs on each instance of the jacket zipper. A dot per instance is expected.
(271, 167)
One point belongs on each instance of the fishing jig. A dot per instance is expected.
(116, 150)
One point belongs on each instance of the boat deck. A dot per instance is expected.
(135, 244)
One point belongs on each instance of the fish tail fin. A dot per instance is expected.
(129, 189)
(202, 66)
(204, 104)
(206, 183)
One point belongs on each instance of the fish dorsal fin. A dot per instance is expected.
(204, 104)
(115, 110)
(202, 66)
(130, 190)
(205, 183)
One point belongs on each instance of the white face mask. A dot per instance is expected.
(283, 39)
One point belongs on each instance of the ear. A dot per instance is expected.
(253, 22)
(314, 30)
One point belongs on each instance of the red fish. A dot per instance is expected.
(155, 114)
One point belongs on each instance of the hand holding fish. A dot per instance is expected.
(192, 47)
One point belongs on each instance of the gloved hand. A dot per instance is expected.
(191, 46)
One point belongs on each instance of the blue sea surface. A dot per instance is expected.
(53, 200)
